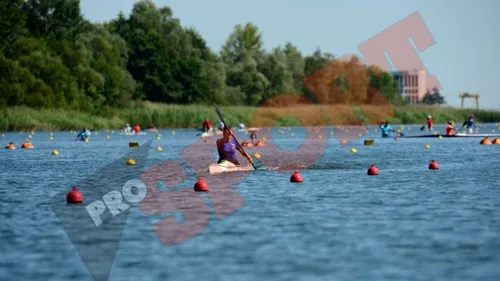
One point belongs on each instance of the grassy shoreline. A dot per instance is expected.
(192, 116)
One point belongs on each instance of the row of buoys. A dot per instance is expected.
(487, 141)
(249, 144)
(76, 197)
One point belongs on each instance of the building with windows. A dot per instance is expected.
(412, 84)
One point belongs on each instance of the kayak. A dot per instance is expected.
(134, 134)
(227, 167)
(210, 134)
(455, 136)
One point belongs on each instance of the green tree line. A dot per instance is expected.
(52, 57)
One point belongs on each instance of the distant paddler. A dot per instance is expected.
(253, 134)
(84, 134)
(137, 129)
(450, 129)
(386, 129)
(430, 124)
(128, 129)
(469, 123)
(207, 125)
(152, 128)
(227, 147)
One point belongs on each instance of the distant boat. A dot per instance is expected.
(134, 134)
(460, 135)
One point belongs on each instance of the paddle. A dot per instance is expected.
(219, 112)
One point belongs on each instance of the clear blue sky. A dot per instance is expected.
(467, 32)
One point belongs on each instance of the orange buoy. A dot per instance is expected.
(74, 196)
(486, 141)
(496, 141)
(296, 177)
(433, 165)
(246, 144)
(373, 171)
(201, 186)
(260, 143)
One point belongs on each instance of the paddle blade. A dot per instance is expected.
(221, 117)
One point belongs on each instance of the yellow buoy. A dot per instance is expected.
(320, 137)
(256, 155)
(264, 138)
(440, 137)
(86, 140)
(353, 150)
(29, 136)
(360, 135)
(331, 133)
(55, 152)
(158, 137)
(107, 137)
(173, 132)
(427, 146)
(293, 134)
(130, 162)
(51, 138)
(159, 148)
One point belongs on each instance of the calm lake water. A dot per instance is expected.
(409, 223)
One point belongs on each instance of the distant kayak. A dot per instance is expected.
(210, 133)
(133, 134)
(455, 136)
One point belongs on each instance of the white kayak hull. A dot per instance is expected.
(133, 134)
(210, 134)
(227, 167)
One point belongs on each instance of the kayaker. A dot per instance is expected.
(469, 123)
(207, 125)
(152, 128)
(386, 129)
(253, 136)
(430, 123)
(128, 129)
(84, 134)
(11, 146)
(450, 130)
(137, 129)
(227, 147)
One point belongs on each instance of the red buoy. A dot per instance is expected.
(433, 165)
(296, 177)
(201, 186)
(74, 196)
(373, 171)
